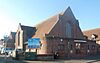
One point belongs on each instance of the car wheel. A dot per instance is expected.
(6, 53)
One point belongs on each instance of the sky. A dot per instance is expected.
(32, 12)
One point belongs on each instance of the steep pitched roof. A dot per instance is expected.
(30, 31)
(69, 14)
(23, 27)
(12, 35)
(45, 26)
(92, 31)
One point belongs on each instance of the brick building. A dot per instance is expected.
(60, 33)
(11, 40)
(1, 43)
(22, 35)
(90, 33)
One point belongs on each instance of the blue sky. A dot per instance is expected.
(31, 12)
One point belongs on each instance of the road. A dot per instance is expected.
(91, 59)
(8, 59)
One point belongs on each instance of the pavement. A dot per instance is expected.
(88, 59)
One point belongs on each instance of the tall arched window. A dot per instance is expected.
(68, 30)
(18, 38)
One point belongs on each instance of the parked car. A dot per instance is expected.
(17, 53)
(0, 49)
(6, 51)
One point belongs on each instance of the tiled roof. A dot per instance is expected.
(92, 31)
(45, 26)
(13, 34)
(29, 30)
(23, 27)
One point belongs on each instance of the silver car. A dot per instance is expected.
(6, 51)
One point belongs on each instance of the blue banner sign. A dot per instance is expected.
(34, 43)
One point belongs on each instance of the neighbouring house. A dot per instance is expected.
(22, 35)
(91, 35)
(1, 43)
(10, 40)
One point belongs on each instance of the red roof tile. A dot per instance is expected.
(92, 31)
(45, 26)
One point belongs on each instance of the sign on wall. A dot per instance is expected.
(34, 43)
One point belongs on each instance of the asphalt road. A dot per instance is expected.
(90, 59)
(7, 59)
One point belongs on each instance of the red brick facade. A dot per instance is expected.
(58, 34)
(62, 34)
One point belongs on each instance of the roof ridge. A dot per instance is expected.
(54, 23)
(91, 29)
(46, 20)
(26, 26)
(45, 26)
